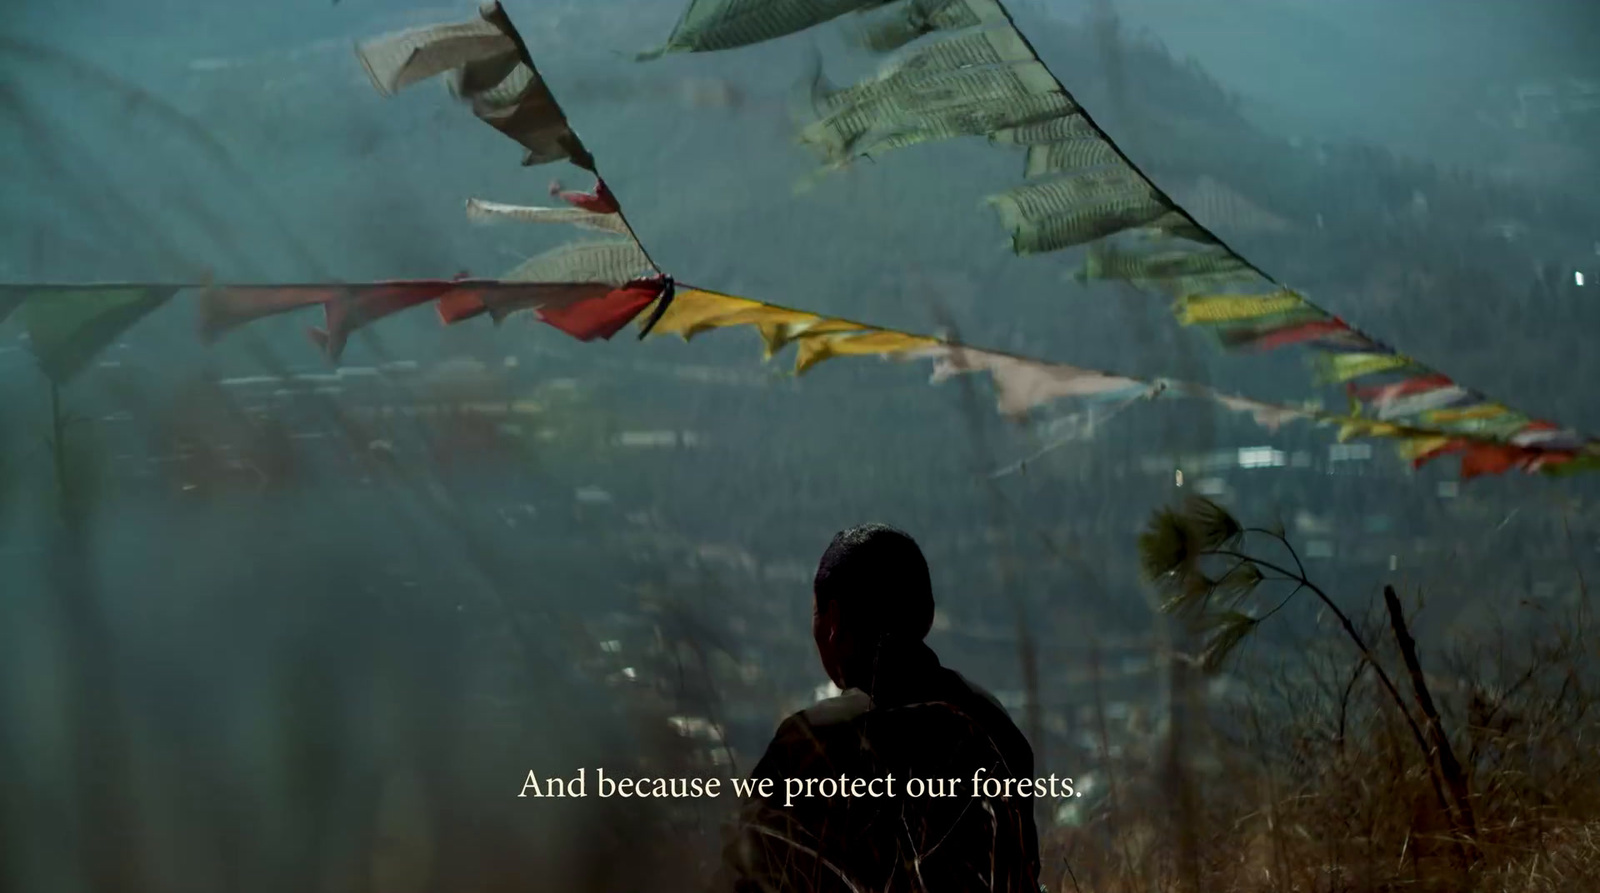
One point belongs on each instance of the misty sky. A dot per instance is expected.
(1410, 74)
(1415, 75)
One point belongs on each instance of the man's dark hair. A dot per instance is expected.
(879, 579)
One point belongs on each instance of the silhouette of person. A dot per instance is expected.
(873, 790)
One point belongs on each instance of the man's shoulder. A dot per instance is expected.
(973, 690)
(987, 711)
(823, 725)
(811, 740)
(835, 711)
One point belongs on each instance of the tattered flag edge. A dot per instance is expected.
(664, 307)
(1310, 325)
(1530, 445)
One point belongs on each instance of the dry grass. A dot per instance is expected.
(1315, 781)
(1292, 806)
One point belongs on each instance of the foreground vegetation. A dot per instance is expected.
(1362, 762)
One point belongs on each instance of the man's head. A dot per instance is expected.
(872, 583)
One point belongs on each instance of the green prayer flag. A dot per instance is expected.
(68, 327)
(914, 18)
(709, 25)
(11, 297)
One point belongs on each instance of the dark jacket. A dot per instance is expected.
(920, 721)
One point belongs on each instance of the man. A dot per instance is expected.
(902, 715)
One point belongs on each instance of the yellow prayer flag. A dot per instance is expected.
(767, 314)
(693, 311)
(813, 347)
(1210, 309)
(1414, 448)
(1341, 367)
(1464, 414)
(780, 331)
(1350, 429)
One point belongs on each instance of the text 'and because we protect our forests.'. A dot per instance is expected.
(981, 784)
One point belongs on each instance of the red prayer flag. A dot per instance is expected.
(1386, 393)
(1297, 334)
(1480, 458)
(222, 309)
(367, 304)
(604, 316)
(1454, 446)
(601, 201)
(1493, 458)
(511, 297)
(1489, 458)
(460, 304)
